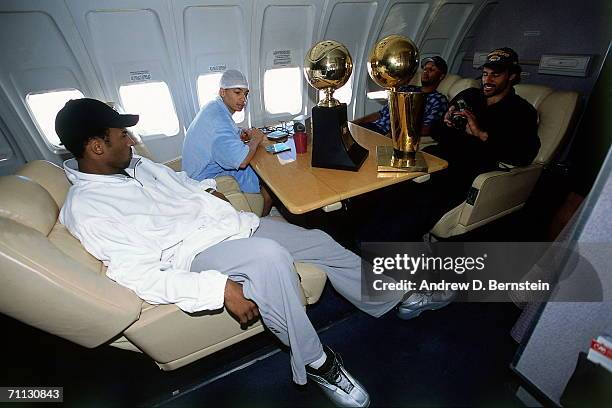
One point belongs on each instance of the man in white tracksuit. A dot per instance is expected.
(172, 239)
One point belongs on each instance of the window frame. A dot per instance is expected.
(236, 115)
(303, 93)
(137, 128)
(55, 149)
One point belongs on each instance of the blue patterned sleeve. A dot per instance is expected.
(435, 108)
(384, 111)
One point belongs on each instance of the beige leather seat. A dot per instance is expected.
(497, 193)
(49, 281)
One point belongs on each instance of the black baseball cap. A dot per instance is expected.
(82, 118)
(437, 61)
(502, 58)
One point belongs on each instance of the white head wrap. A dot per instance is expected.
(233, 78)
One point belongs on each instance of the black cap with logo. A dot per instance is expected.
(502, 58)
(437, 61)
(83, 118)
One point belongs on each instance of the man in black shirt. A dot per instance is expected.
(482, 128)
(493, 125)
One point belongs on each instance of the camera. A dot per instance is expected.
(459, 122)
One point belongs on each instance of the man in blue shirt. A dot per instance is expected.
(215, 146)
(434, 71)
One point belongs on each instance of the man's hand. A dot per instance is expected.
(255, 134)
(472, 127)
(244, 136)
(237, 305)
(220, 195)
(448, 115)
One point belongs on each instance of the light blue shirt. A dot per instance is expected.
(213, 147)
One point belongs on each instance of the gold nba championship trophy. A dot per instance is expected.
(327, 67)
(392, 63)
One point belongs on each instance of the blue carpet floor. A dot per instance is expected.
(457, 356)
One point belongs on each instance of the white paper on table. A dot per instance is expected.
(288, 156)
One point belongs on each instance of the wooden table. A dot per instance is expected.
(302, 188)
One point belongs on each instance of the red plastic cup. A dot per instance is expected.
(301, 140)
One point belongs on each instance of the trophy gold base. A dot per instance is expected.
(388, 161)
(333, 146)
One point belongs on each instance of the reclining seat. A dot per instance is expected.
(49, 281)
(497, 193)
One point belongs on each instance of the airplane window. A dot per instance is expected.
(152, 101)
(283, 90)
(208, 89)
(343, 94)
(44, 108)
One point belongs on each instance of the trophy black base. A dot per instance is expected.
(333, 146)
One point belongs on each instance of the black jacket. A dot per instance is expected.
(512, 126)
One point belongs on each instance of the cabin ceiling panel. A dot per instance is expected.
(41, 59)
(404, 18)
(208, 39)
(350, 23)
(468, 40)
(447, 24)
(212, 37)
(288, 30)
(123, 49)
(133, 42)
(41, 52)
(287, 27)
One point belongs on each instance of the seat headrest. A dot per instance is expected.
(556, 112)
(28, 203)
(448, 81)
(534, 94)
(462, 84)
(50, 176)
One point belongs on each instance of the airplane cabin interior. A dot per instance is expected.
(69, 327)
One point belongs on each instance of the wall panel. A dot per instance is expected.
(126, 38)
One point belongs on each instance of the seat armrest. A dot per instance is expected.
(175, 164)
(228, 186)
(492, 195)
(498, 192)
(426, 141)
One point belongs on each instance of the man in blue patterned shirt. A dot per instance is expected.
(434, 71)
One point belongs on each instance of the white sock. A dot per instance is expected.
(319, 361)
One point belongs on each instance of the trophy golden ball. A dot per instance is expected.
(328, 64)
(393, 61)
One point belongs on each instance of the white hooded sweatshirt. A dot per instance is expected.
(147, 229)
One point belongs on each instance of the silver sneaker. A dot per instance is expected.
(419, 302)
(338, 385)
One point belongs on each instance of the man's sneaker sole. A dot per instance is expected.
(329, 383)
(408, 315)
